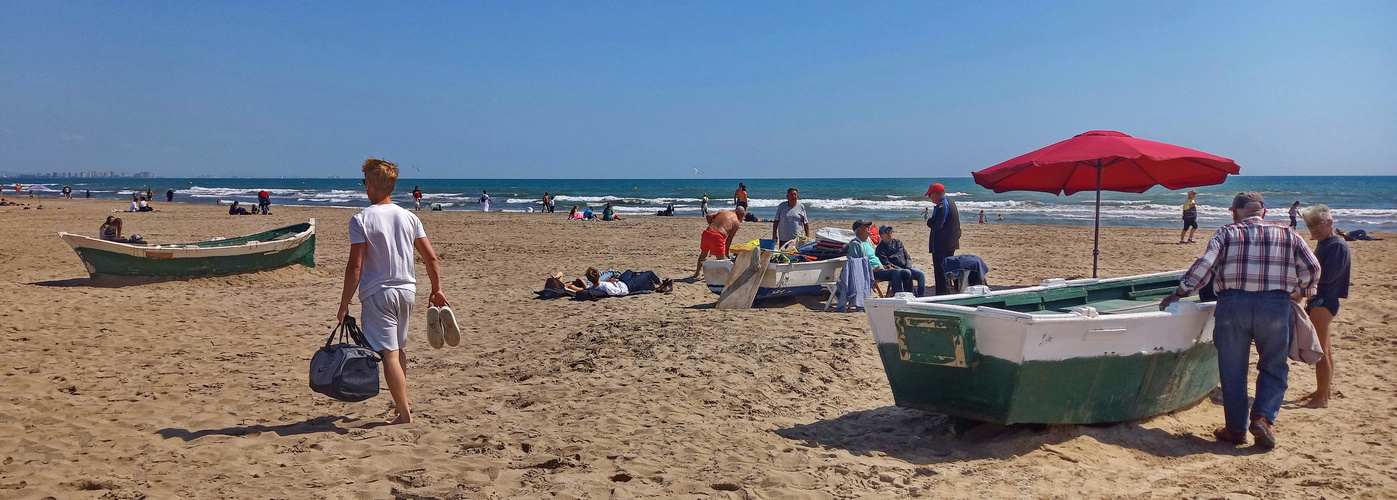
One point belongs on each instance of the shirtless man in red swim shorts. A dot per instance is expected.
(722, 227)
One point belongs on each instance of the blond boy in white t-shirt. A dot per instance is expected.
(381, 242)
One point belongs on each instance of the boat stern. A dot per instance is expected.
(1052, 367)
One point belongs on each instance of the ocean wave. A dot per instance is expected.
(208, 192)
(630, 200)
(1340, 213)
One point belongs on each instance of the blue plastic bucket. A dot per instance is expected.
(767, 244)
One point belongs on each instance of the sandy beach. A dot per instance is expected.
(198, 388)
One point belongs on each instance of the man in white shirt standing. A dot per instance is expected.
(484, 201)
(381, 241)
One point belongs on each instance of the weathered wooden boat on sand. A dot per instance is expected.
(780, 280)
(294, 244)
(1064, 352)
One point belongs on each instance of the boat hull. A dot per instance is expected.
(1051, 366)
(105, 258)
(780, 280)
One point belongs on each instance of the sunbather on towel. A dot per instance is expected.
(626, 283)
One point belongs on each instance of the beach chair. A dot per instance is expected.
(964, 271)
(855, 284)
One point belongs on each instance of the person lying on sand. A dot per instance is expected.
(626, 283)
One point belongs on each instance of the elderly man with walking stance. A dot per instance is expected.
(1257, 267)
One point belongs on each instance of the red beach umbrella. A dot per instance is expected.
(1109, 160)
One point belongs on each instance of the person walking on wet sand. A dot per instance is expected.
(1257, 267)
(739, 197)
(170, 195)
(1190, 217)
(484, 201)
(722, 227)
(382, 238)
(416, 198)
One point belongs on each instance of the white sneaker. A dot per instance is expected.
(449, 328)
(434, 332)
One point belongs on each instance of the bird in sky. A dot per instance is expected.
(696, 171)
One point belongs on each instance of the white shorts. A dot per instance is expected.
(384, 318)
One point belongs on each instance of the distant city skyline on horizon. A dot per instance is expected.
(651, 90)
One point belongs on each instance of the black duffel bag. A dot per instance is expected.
(344, 371)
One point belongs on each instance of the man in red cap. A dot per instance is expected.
(945, 233)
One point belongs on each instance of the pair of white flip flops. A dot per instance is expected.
(442, 327)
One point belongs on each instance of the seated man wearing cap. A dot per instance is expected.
(945, 234)
(900, 280)
(891, 252)
(1257, 267)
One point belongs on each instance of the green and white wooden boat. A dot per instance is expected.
(1064, 352)
(272, 249)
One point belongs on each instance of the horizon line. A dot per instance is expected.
(589, 178)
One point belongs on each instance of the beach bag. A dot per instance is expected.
(344, 371)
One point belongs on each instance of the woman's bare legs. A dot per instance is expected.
(1324, 369)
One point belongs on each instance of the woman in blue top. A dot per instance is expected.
(1334, 260)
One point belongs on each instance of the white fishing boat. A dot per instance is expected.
(1081, 351)
(780, 280)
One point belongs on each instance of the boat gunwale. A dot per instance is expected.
(1080, 283)
(188, 250)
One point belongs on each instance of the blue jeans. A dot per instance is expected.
(636, 282)
(900, 280)
(1242, 318)
(920, 278)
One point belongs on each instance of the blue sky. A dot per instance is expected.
(651, 89)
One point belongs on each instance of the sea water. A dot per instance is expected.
(1357, 202)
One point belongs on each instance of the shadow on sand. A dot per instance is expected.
(110, 281)
(310, 426)
(810, 302)
(924, 438)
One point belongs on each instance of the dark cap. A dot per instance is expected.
(861, 223)
(885, 229)
(1248, 200)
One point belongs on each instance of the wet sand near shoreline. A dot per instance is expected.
(197, 388)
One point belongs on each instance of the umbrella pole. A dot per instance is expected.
(1096, 241)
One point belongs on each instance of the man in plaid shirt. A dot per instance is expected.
(1257, 267)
